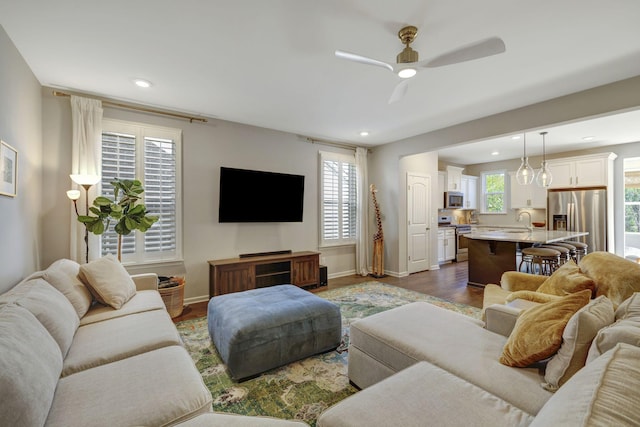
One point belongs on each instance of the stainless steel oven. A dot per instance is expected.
(462, 243)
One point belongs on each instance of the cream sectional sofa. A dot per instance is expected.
(423, 365)
(66, 360)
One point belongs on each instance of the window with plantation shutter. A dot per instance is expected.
(151, 155)
(338, 199)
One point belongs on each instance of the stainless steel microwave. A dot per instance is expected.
(453, 200)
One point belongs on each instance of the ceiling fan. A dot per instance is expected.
(407, 63)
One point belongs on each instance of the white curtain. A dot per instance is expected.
(86, 156)
(362, 217)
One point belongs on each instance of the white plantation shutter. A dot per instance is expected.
(160, 193)
(151, 155)
(338, 204)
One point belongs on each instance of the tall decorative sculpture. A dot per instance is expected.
(377, 265)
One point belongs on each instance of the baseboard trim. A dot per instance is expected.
(193, 300)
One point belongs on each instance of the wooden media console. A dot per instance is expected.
(260, 271)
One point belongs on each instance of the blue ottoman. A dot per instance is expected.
(261, 329)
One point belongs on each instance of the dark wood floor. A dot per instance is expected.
(449, 283)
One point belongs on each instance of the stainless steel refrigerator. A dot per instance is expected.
(580, 210)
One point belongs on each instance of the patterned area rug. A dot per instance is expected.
(303, 389)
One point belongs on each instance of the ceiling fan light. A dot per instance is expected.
(407, 73)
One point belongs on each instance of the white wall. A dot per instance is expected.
(20, 127)
(206, 147)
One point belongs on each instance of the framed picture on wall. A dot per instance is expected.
(8, 170)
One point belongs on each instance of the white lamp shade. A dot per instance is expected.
(83, 179)
(73, 194)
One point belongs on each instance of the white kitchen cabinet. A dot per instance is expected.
(442, 185)
(454, 178)
(583, 171)
(529, 196)
(449, 244)
(446, 244)
(470, 191)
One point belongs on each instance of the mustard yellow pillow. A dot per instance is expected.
(537, 333)
(533, 296)
(566, 280)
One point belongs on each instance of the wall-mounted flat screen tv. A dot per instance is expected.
(258, 196)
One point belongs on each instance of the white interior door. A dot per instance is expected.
(418, 224)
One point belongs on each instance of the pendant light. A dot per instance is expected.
(544, 177)
(525, 173)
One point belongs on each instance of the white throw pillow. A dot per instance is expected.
(603, 393)
(576, 340)
(108, 281)
(63, 275)
(630, 308)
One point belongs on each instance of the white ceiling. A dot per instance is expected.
(272, 63)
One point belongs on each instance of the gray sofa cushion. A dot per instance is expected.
(419, 331)
(63, 275)
(603, 393)
(142, 301)
(422, 395)
(50, 307)
(99, 343)
(157, 388)
(30, 364)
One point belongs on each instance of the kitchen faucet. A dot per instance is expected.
(530, 226)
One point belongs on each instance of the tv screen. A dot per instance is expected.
(257, 196)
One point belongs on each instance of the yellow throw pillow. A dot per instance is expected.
(533, 296)
(567, 280)
(538, 330)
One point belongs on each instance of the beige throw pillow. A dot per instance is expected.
(566, 280)
(538, 330)
(576, 340)
(630, 308)
(63, 275)
(604, 393)
(108, 281)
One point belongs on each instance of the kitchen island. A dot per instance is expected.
(491, 253)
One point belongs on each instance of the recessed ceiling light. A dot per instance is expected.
(364, 133)
(495, 153)
(142, 83)
(515, 137)
(588, 138)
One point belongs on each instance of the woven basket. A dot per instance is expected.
(174, 298)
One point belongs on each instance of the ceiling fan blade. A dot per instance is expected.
(399, 91)
(479, 49)
(362, 59)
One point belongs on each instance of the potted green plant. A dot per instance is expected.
(125, 208)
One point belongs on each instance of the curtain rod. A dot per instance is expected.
(332, 144)
(144, 109)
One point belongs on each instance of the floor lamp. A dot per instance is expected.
(86, 181)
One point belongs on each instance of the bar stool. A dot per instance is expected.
(565, 253)
(581, 249)
(572, 249)
(546, 260)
